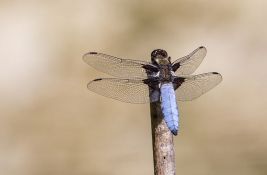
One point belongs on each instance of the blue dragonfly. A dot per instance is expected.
(157, 81)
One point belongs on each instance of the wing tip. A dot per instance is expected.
(89, 53)
(202, 47)
(217, 73)
(98, 79)
(92, 53)
(90, 83)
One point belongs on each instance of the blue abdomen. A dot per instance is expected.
(169, 107)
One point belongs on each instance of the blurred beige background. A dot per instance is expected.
(51, 124)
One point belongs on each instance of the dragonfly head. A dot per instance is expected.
(160, 57)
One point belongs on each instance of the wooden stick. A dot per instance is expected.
(162, 141)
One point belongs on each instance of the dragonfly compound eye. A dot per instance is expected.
(159, 53)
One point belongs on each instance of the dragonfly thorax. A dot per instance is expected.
(165, 74)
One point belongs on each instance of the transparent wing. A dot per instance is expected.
(125, 90)
(118, 67)
(188, 64)
(191, 87)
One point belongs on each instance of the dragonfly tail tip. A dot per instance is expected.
(174, 132)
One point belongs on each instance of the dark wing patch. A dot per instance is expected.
(178, 82)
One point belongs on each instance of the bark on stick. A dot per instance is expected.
(162, 141)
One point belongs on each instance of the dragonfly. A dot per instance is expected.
(159, 80)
